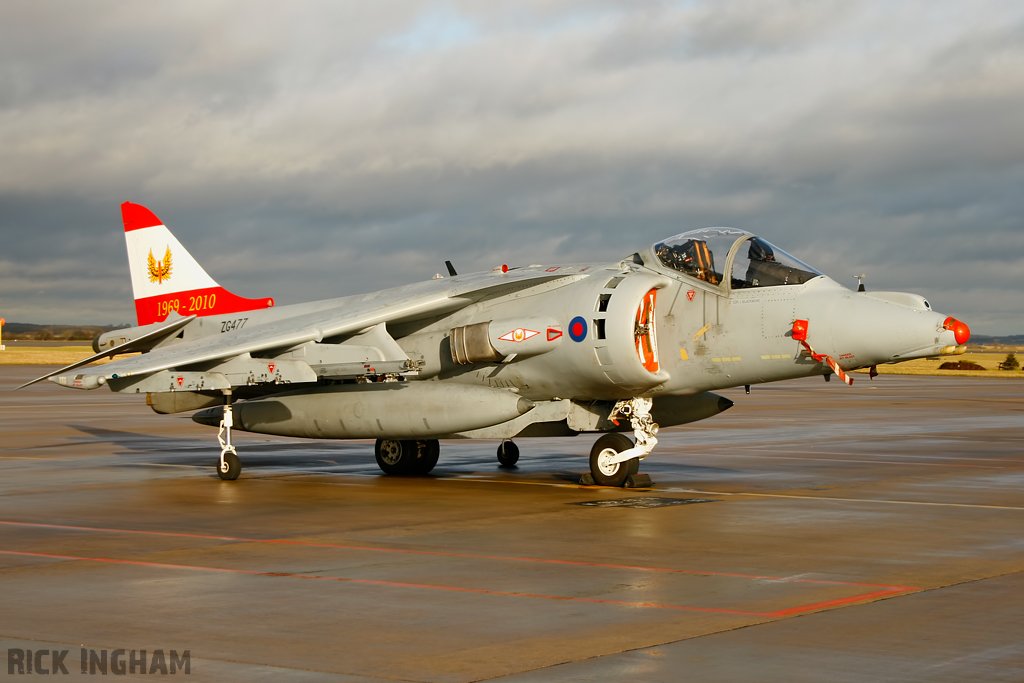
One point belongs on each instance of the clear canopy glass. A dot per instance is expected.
(702, 254)
(699, 253)
(759, 264)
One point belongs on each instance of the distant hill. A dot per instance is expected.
(56, 332)
(1004, 340)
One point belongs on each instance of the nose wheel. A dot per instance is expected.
(604, 468)
(614, 459)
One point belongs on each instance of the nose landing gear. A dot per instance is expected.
(605, 470)
(614, 458)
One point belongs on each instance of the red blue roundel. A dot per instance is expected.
(578, 329)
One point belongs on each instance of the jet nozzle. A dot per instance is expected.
(961, 332)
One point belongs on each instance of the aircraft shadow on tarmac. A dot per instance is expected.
(201, 452)
(351, 457)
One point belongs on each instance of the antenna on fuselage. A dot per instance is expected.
(860, 282)
(451, 268)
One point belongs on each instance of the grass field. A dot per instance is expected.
(989, 361)
(46, 355)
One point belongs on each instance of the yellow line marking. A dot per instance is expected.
(69, 405)
(853, 500)
(702, 331)
(682, 354)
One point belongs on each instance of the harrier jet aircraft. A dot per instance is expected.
(539, 350)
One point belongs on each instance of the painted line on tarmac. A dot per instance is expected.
(164, 464)
(310, 544)
(863, 461)
(843, 500)
(791, 611)
(65, 405)
(876, 455)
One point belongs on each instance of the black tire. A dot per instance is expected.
(508, 454)
(233, 465)
(612, 475)
(394, 457)
(428, 451)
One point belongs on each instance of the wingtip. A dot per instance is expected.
(28, 384)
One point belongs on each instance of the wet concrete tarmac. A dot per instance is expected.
(816, 532)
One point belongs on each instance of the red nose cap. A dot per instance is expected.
(961, 332)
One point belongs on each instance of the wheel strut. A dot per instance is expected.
(229, 466)
(638, 410)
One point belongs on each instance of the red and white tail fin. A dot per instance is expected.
(166, 278)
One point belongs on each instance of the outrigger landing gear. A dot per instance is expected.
(614, 458)
(229, 466)
(508, 454)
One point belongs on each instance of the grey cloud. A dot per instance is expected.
(301, 152)
(747, 29)
(751, 26)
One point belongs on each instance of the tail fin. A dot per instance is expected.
(166, 278)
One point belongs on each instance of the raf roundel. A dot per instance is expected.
(578, 329)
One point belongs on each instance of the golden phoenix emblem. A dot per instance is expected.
(160, 270)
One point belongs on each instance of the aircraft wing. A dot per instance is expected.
(333, 318)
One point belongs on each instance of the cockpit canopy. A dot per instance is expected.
(703, 254)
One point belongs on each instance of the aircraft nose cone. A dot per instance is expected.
(961, 332)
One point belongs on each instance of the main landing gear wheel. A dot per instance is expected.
(429, 451)
(230, 468)
(611, 474)
(508, 454)
(406, 457)
(393, 457)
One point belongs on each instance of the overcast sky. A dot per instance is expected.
(306, 150)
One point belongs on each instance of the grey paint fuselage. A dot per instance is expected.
(708, 336)
(715, 340)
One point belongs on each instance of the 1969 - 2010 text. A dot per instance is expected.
(202, 302)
